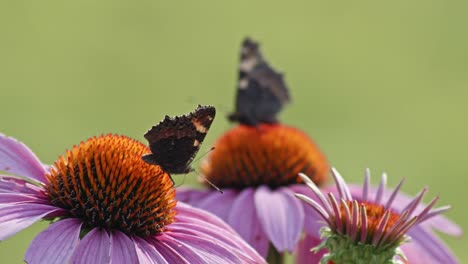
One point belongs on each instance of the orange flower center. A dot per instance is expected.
(375, 213)
(105, 183)
(272, 155)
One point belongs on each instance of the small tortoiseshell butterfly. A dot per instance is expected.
(261, 91)
(175, 141)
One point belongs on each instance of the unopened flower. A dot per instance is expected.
(368, 225)
(108, 206)
(257, 168)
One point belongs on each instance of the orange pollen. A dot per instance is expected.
(375, 214)
(105, 183)
(268, 154)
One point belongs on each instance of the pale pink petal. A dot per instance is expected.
(281, 215)
(122, 248)
(17, 217)
(440, 223)
(303, 253)
(55, 244)
(243, 218)
(16, 158)
(147, 253)
(93, 248)
(10, 184)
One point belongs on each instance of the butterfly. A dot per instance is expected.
(261, 91)
(175, 141)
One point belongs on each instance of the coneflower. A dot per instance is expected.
(106, 205)
(368, 225)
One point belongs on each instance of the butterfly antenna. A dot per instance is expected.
(204, 154)
(209, 182)
(181, 183)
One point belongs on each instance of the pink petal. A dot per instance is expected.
(243, 218)
(303, 253)
(172, 255)
(122, 248)
(201, 223)
(281, 215)
(55, 244)
(10, 184)
(18, 159)
(211, 250)
(94, 248)
(147, 253)
(191, 196)
(17, 217)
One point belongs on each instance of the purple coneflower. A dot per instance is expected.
(374, 225)
(257, 168)
(108, 206)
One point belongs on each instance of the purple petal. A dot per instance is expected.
(93, 248)
(191, 196)
(218, 203)
(17, 217)
(10, 198)
(147, 253)
(281, 215)
(431, 245)
(55, 244)
(243, 218)
(10, 184)
(18, 159)
(303, 253)
(122, 249)
(312, 220)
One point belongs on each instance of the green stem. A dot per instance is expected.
(274, 257)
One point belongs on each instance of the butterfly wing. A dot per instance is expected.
(261, 91)
(174, 142)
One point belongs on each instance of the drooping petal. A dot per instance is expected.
(244, 219)
(93, 248)
(18, 159)
(191, 196)
(429, 243)
(303, 253)
(10, 184)
(147, 253)
(170, 254)
(197, 222)
(210, 249)
(281, 215)
(55, 244)
(17, 217)
(122, 249)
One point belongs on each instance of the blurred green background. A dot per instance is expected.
(376, 84)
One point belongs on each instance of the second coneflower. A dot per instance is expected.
(373, 225)
(256, 164)
(106, 205)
